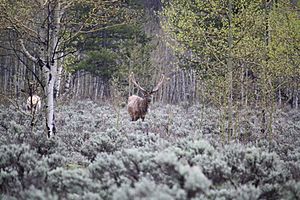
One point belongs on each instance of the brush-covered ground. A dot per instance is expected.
(177, 153)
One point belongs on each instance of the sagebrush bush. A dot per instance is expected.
(177, 153)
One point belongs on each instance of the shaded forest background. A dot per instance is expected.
(100, 60)
(232, 54)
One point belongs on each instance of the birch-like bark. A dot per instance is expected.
(51, 70)
(47, 59)
(246, 88)
(230, 72)
(50, 78)
(297, 100)
(103, 87)
(184, 93)
(279, 97)
(68, 84)
(264, 87)
(242, 80)
(78, 84)
(96, 85)
(59, 77)
(5, 77)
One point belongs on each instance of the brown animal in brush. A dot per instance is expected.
(138, 106)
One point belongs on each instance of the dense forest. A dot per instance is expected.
(149, 99)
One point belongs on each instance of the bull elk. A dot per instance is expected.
(33, 103)
(138, 106)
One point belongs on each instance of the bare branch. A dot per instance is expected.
(102, 28)
(17, 24)
(34, 59)
(81, 31)
(15, 104)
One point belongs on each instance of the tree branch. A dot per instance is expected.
(34, 59)
(102, 28)
(15, 104)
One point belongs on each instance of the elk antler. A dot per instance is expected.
(132, 79)
(159, 83)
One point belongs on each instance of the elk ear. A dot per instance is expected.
(159, 84)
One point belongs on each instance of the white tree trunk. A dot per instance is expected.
(279, 97)
(50, 77)
(52, 69)
(68, 84)
(230, 74)
(48, 60)
(58, 79)
(96, 88)
(295, 99)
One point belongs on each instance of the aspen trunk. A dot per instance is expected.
(67, 84)
(242, 97)
(96, 85)
(296, 99)
(50, 122)
(47, 59)
(51, 71)
(230, 75)
(58, 81)
(264, 85)
(279, 97)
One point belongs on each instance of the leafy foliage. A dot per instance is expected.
(115, 49)
(237, 44)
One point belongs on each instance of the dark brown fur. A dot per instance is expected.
(138, 106)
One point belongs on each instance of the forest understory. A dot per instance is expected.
(178, 152)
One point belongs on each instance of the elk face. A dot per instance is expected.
(147, 97)
(138, 106)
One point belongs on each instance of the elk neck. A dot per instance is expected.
(144, 105)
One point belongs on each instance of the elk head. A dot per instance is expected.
(138, 106)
